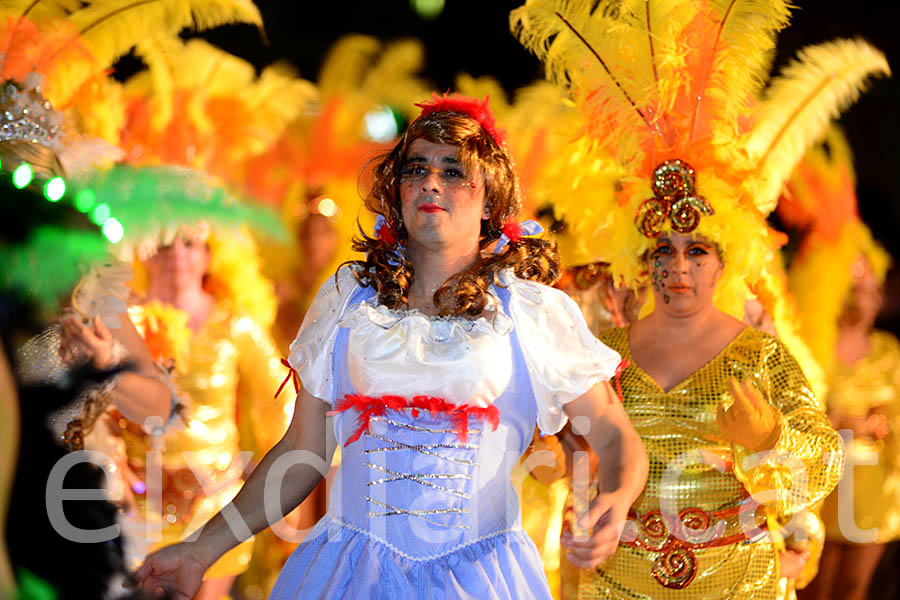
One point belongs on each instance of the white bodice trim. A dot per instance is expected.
(410, 354)
(419, 559)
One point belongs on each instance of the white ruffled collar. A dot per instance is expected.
(433, 328)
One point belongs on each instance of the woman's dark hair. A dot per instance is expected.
(386, 269)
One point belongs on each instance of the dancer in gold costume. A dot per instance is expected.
(206, 310)
(671, 181)
(200, 107)
(837, 277)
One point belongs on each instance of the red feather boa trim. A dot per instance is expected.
(471, 107)
(368, 407)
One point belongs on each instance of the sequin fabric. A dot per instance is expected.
(231, 374)
(855, 390)
(697, 546)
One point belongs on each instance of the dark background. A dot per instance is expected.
(473, 36)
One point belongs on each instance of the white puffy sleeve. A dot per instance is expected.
(312, 350)
(564, 358)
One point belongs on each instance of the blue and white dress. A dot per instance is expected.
(437, 412)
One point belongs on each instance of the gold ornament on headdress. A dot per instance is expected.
(674, 189)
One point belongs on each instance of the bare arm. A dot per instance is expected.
(600, 418)
(180, 568)
(310, 430)
(138, 394)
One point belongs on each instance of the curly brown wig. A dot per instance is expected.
(465, 294)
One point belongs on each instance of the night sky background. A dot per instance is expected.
(473, 37)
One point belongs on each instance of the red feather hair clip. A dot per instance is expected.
(471, 107)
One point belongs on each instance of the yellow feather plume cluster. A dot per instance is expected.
(822, 200)
(799, 105)
(653, 80)
(73, 44)
(319, 158)
(235, 273)
(201, 107)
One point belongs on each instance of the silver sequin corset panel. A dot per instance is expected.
(415, 481)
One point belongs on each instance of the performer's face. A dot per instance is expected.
(442, 200)
(863, 303)
(684, 270)
(184, 262)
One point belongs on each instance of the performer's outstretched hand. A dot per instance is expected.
(92, 342)
(605, 520)
(750, 421)
(176, 569)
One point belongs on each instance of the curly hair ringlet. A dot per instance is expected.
(466, 294)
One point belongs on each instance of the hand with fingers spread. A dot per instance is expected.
(750, 421)
(82, 343)
(174, 570)
(604, 521)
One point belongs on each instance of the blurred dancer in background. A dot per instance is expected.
(837, 277)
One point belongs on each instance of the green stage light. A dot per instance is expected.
(113, 230)
(100, 214)
(85, 200)
(55, 189)
(23, 175)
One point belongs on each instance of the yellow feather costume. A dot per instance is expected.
(678, 79)
(74, 44)
(822, 199)
(652, 83)
(197, 106)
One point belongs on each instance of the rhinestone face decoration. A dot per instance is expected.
(674, 190)
(26, 115)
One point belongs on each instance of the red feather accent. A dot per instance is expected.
(513, 231)
(367, 407)
(478, 110)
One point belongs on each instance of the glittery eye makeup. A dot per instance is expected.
(659, 273)
(698, 251)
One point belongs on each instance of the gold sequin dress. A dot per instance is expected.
(229, 379)
(854, 390)
(671, 557)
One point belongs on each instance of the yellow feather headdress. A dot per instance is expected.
(62, 50)
(198, 106)
(821, 199)
(678, 132)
